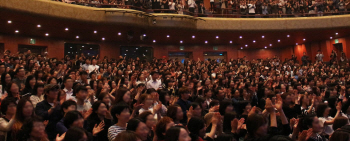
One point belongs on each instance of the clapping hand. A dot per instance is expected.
(98, 129)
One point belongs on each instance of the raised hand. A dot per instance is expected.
(60, 138)
(137, 106)
(189, 112)
(216, 118)
(98, 129)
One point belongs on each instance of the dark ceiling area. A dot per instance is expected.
(32, 25)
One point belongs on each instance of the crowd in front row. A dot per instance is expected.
(125, 99)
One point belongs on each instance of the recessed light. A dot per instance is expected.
(296, 43)
(253, 41)
(270, 45)
(336, 33)
(47, 34)
(217, 37)
(16, 31)
(167, 36)
(95, 31)
(144, 35)
(90, 48)
(241, 47)
(66, 29)
(193, 36)
(288, 35)
(230, 42)
(71, 47)
(82, 46)
(103, 39)
(240, 37)
(154, 41)
(38, 25)
(119, 33)
(9, 22)
(246, 45)
(278, 40)
(265, 46)
(330, 37)
(181, 41)
(263, 36)
(206, 42)
(304, 39)
(77, 37)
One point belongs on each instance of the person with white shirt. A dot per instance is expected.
(192, 6)
(251, 7)
(319, 56)
(85, 67)
(171, 6)
(93, 66)
(68, 84)
(154, 83)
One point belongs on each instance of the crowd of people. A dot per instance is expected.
(88, 98)
(254, 8)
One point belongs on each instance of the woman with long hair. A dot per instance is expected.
(98, 117)
(37, 94)
(29, 85)
(25, 110)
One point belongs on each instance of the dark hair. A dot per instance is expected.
(223, 105)
(183, 90)
(51, 87)
(95, 106)
(27, 85)
(24, 133)
(195, 105)
(66, 104)
(70, 117)
(224, 137)
(342, 134)
(133, 124)
(8, 89)
(66, 78)
(321, 108)
(117, 109)
(50, 79)
(214, 103)
(120, 94)
(127, 136)
(36, 86)
(172, 111)
(200, 100)
(3, 82)
(253, 122)
(143, 116)
(306, 122)
(195, 124)
(75, 134)
(19, 113)
(340, 122)
(5, 103)
(173, 133)
(162, 93)
(78, 89)
(161, 127)
(102, 95)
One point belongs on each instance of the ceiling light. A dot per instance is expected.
(246, 45)
(241, 47)
(16, 31)
(230, 42)
(217, 37)
(278, 40)
(154, 41)
(304, 39)
(71, 47)
(167, 36)
(336, 33)
(206, 42)
(181, 41)
(193, 36)
(296, 43)
(9, 22)
(330, 37)
(66, 29)
(90, 48)
(240, 37)
(47, 34)
(270, 45)
(262, 36)
(95, 31)
(77, 37)
(119, 33)
(82, 46)
(288, 35)
(103, 39)
(38, 25)
(265, 47)
(253, 41)
(144, 35)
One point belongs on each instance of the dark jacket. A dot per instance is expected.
(41, 110)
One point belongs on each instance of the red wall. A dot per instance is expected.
(55, 48)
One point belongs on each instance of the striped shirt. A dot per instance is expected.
(113, 131)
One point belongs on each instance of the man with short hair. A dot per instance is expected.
(319, 56)
(20, 79)
(81, 94)
(93, 66)
(68, 84)
(154, 83)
